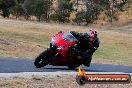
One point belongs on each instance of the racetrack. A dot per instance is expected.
(17, 65)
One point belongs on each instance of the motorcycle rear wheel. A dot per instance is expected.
(43, 59)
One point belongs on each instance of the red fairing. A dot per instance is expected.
(61, 42)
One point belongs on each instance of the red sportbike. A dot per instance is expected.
(62, 52)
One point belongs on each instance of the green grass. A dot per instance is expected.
(114, 52)
(42, 40)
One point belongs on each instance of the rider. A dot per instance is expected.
(88, 44)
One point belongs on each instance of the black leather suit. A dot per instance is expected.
(87, 49)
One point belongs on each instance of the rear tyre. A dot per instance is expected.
(43, 59)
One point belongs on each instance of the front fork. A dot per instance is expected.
(53, 52)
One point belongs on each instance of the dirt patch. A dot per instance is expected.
(18, 47)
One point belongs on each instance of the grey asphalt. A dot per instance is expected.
(16, 65)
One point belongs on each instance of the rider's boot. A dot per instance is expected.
(87, 61)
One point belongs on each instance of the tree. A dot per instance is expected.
(38, 8)
(28, 7)
(80, 16)
(5, 7)
(20, 1)
(62, 14)
(41, 8)
(90, 14)
(17, 10)
(111, 7)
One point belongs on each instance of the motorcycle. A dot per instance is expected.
(62, 52)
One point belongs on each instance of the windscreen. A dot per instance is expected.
(69, 37)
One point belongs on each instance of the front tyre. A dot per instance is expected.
(43, 59)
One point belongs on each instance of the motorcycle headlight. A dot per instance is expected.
(60, 47)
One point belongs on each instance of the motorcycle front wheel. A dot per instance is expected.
(43, 59)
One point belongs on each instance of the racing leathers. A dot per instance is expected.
(86, 46)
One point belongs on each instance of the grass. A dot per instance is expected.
(114, 51)
(115, 46)
(42, 40)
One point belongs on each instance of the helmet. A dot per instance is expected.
(93, 34)
(93, 31)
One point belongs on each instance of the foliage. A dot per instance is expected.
(5, 6)
(95, 7)
(62, 14)
(37, 8)
(90, 14)
(17, 10)
(44, 9)
(112, 7)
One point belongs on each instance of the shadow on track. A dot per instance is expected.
(16, 65)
